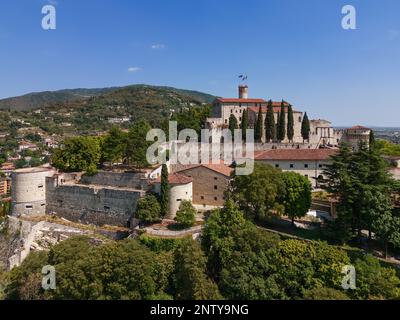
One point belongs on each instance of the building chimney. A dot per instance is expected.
(243, 92)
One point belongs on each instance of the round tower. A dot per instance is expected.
(243, 92)
(28, 191)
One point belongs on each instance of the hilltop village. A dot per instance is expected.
(111, 195)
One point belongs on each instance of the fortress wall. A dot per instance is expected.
(114, 179)
(98, 206)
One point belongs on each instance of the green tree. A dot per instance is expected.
(371, 138)
(233, 124)
(305, 128)
(186, 215)
(164, 194)
(190, 279)
(259, 126)
(282, 123)
(148, 209)
(245, 124)
(258, 194)
(277, 130)
(114, 145)
(270, 123)
(323, 293)
(297, 195)
(218, 234)
(137, 145)
(290, 124)
(78, 154)
(246, 271)
(374, 282)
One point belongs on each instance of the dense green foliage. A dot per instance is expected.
(186, 215)
(386, 148)
(363, 186)
(258, 194)
(78, 154)
(148, 209)
(236, 260)
(190, 279)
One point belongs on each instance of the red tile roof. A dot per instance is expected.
(176, 178)
(219, 168)
(295, 154)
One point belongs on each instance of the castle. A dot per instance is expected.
(111, 197)
(322, 134)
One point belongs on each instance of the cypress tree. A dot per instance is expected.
(290, 124)
(245, 123)
(282, 123)
(164, 195)
(259, 127)
(277, 129)
(371, 139)
(305, 128)
(270, 123)
(233, 124)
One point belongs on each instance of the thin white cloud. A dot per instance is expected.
(134, 69)
(158, 46)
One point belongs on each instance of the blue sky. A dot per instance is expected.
(291, 49)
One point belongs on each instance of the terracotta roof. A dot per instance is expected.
(176, 178)
(358, 128)
(295, 154)
(220, 168)
(235, 100)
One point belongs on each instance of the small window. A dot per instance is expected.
(40, 186)
(306, 175)
(277, 166)
(216, 198)
(321, 166)
(306, 166)
(291, 166)
(215, 187)
(43, 204)
(202, 197)
(29, 207)
(215, 178)
(106, 208)
(178, 200)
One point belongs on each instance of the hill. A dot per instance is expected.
(37, 100)
(81, 111)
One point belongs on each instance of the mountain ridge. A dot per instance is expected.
(35, 100)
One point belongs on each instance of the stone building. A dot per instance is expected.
(307, 162)
(210, 181)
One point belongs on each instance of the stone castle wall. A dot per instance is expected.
(94, 204)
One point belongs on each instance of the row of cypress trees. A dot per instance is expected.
(273, 131)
